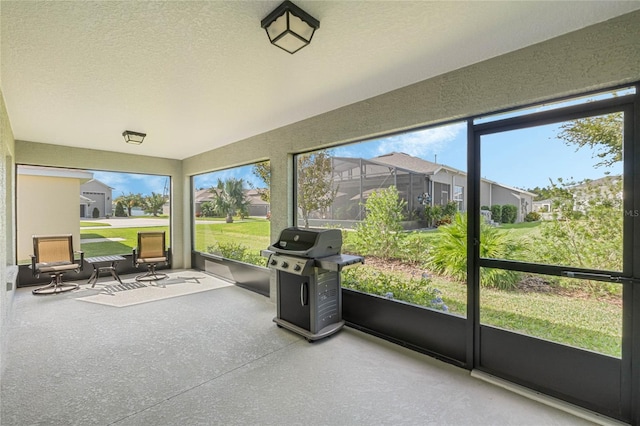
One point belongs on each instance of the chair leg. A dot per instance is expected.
(151, 274)
(55, 286)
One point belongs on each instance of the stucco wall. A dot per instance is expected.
(7, 232)
(46, 205)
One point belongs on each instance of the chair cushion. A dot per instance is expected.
(151, 260)
(56, 266)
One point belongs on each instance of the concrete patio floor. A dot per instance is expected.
(216, 358)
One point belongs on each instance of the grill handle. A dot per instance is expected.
(304, 299)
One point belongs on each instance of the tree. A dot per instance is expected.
(130, 201)
(229, 198)
(315, 183)
(548, 192)
(379, 233)
(262, 170)
(152, 204)
(587, 230)
(603, 132)
(207, 209)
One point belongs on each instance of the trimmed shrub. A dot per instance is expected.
(236, 251)
(95, 213)
(120, 210)
(509, 213)
(496, 213)
(532, 217)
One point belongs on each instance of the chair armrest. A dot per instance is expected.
(81, 253)
(134, 257)
(33, 266)
(168, 255)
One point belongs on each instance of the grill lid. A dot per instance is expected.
(308, 242)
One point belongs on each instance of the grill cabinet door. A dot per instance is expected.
(294, 299)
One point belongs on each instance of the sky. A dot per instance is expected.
(523, 158)
(125, 183)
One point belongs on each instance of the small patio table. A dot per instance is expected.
(103, 264)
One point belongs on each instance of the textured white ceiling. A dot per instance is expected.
(198, 75)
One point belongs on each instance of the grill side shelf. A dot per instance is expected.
(339, 262)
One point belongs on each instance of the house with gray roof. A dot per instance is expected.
(419, 182)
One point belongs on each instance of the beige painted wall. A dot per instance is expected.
(46, 205)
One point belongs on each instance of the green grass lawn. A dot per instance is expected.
(588, 323)
(90, 224)
(251, 232)
(129, 235)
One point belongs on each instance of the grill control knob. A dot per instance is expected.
(297, 268)
(274, 262)
(284, 265)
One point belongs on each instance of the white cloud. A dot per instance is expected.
(124, 183)
(423, 143)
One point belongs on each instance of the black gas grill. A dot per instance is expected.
(308, 264)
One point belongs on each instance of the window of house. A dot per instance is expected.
(458, 197)
(231, 212)
(101, 210)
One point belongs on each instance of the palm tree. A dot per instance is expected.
(130, 200)
(153, 203)
(229, 198)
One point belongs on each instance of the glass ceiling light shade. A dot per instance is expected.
(289, 27)
(134, 138)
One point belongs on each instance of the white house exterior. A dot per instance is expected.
(100, 194)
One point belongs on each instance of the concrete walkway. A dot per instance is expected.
(100, 240)
(133, 222)
(126, 222)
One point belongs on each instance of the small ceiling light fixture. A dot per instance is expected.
(289, 27)
(134, 138)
